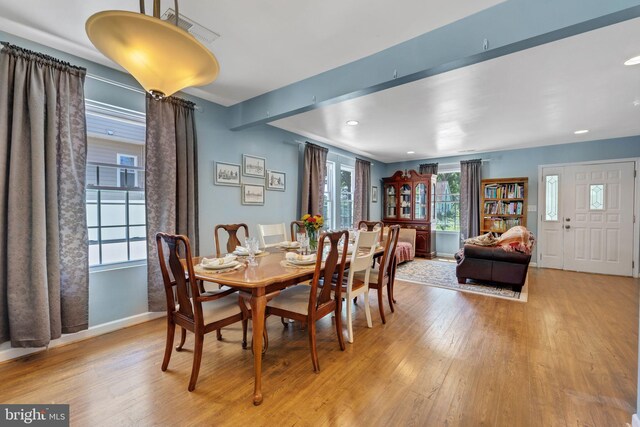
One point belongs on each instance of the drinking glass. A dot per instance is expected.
(300, 238)
(252, 248)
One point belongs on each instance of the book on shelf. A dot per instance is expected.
(503, 208)
(500, 225)
(504, 191)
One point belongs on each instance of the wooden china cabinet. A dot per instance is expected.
(409, 201)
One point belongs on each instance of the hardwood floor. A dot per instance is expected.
(566, 357)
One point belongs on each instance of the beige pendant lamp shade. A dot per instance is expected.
(162, 57)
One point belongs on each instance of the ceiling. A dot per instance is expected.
(264, 45)
(535, 97)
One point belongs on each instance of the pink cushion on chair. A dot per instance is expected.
(404, 252)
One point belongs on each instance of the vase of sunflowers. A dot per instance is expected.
(313, 223)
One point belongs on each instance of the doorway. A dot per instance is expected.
(587, 217)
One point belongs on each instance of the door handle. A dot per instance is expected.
(567, 227)
(567, 219)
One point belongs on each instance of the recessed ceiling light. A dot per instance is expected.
(411, 152)
(633, 61)
(581, 131)
(353, 122)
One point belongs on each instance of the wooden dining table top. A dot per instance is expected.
(270, 269)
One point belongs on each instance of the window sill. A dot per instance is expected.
(117, 266)
(447, 232)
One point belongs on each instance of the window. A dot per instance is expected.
(447, 201)
(347, 176)
(551, 197)
(127, 177)
(329, 191)
(596, 197)
(115, 200)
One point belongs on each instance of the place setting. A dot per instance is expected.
(219, 265)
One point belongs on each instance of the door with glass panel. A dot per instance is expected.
(594, 221)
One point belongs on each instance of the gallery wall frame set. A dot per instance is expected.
(252, 176)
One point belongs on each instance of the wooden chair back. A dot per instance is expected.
(184, 285)
(321, 303)
(271, 231)
(387, 263)
(297, 227)
(232, 231)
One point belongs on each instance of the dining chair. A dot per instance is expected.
(197, 312)
(297, 227)
(309, 304)
(275, 233)
(371, 226)
(232, 231)
(382, 275)
(364, 249)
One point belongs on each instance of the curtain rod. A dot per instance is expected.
(299, 142)
(125, 86)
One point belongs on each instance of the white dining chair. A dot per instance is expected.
(271, 234)
(357, 282)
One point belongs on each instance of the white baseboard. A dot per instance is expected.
(8, 353)
(533, 264)
(635, 421)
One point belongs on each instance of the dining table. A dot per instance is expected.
(270, 274)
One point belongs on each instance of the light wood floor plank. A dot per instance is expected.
(566, 357)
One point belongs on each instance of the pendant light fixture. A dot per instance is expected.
(162, 57)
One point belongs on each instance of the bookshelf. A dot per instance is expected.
(503, 204)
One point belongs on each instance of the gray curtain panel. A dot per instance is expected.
(361, 191)
(44, 267)
(428, 168)
(315, 169)
(470, 177)
(170, 183)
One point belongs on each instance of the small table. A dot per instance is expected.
(268, 276)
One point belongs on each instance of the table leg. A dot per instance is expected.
(258, 305)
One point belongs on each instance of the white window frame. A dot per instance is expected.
(119, 157)
(331, 193)
(352, 170)
(441, 171)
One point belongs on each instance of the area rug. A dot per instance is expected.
(442, 274)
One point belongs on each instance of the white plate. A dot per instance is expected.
(220, 266)
(289, 245)
(296, 262)
(245, 253)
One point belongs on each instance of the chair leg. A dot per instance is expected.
(390, 297)
(380, 306)
(219, 334)
(312, 344)
(284, 322)
(183, 338)
(349, 323)
(244, 332)
(367, 310)
(171, 330)
(339, 324)
(197, 358)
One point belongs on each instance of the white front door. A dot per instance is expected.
(593, 229)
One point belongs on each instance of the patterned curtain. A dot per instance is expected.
(428, 168)
(315, 169)
(44, 267)
(170, 182)
(470, 177)
(361, 191)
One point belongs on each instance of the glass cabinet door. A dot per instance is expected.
(420, 211)
(405, 201)
(390, 209)
(433, 202)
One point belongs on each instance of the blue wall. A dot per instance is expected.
(525, 162)
(119, 293)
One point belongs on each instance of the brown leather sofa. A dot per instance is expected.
(492, 264)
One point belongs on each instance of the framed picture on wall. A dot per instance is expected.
(227, 174)
(253, 166)
(374, 194)
(276, 181)
(252, 194)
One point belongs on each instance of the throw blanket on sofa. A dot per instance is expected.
(516, 239)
